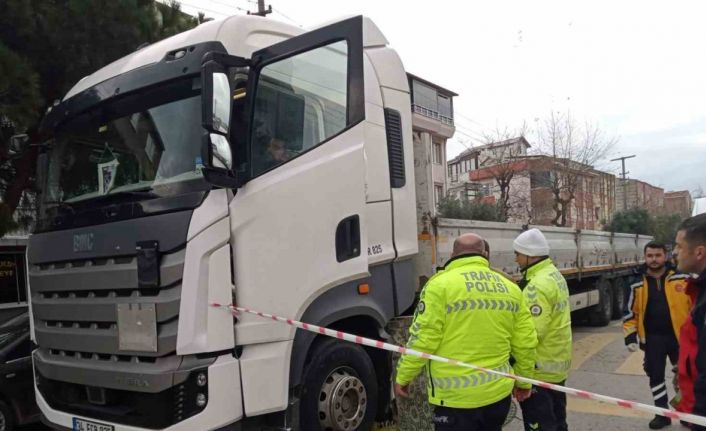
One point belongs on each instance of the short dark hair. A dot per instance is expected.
(695, 229)
(655, 244)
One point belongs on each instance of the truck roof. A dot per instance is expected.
(240, 34)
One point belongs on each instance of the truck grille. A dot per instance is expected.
(74, 306)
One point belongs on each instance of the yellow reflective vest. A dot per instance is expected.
(472, 314)
(547, 296)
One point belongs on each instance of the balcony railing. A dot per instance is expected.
(433, 114)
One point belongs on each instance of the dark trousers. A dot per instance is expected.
(657, 349)
(487, 418)
(545, 410)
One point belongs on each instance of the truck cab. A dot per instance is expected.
(245, 161)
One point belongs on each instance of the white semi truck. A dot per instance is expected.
(245, 161)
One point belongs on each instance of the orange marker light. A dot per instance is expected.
(363, 289)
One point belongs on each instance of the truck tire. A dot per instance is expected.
(7, 419)
(618, 297)
(340, 391)
(601, 313)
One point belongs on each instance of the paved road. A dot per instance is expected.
(602, 364)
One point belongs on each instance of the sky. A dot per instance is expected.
(637, 69)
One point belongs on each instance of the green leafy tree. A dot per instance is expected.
(663, 227)
(634, 220)
(450, 207)
(45, 48)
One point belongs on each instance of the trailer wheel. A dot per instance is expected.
(601, 313)
(340, 388)
(618, 297)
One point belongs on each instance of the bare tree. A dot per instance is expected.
(504, 160)
(571, 150)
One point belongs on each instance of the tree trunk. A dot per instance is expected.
(556, 206)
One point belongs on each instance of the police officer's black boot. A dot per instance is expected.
(660, 422)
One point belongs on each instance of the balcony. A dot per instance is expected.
(433, 115)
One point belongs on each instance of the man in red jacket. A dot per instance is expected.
(691, 259)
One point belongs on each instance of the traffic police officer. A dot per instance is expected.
(547, 295)
(472, 314)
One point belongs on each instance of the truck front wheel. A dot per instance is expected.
(340, 388)
(618, 297)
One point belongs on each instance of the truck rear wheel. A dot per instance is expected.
(601, 313)
(340, 388)
(618, 297)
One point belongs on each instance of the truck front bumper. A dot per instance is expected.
(224, 407)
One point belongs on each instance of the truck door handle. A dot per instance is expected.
(348, 238)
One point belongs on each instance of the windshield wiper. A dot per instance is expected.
(63, 206)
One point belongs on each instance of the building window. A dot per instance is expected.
(437, 154)
(425, 96)
(438, 193)
(541, 179)
(484, 190)
(445, 107)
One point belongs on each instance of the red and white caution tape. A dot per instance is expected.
(700, 420)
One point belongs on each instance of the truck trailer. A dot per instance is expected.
(246, 161)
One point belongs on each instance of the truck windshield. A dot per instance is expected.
(143, 142)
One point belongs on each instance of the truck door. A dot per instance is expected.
(298, 223)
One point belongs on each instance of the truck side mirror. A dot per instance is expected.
(216, 105)
(216, 102)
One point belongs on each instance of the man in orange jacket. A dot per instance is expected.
(691, 258)
(658, 307)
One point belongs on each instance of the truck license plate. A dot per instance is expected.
(82, 425)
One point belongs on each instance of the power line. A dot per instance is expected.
(286, 17)
(479, 135)
(456, 112)
(204, 9)
(466, 125)
(230, 5)
(469, 136)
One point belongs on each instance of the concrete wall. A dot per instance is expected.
(678, 203)
(639, 195)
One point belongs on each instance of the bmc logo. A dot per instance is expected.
(83, 242)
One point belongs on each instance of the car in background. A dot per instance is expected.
(17, 403)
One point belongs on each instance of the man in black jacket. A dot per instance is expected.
(691, 258)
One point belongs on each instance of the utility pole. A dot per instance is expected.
(261, 11)
(625, 191)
